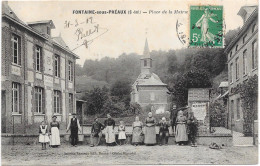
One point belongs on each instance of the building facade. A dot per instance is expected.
(37, 74)
(148, 89)
(242, 55)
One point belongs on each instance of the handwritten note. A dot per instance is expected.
(86, 31)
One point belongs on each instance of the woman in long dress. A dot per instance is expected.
(109, 131)
(150, 134)
(181, 132)
(203, 22)
(55, 133)
(137, 137)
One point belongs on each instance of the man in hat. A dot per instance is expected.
(96, 132)
(74, 126)
(164, 130)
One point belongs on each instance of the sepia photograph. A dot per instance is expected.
(129, 82)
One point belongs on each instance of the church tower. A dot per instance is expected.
(146, 60)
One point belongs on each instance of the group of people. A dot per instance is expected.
(185, 130)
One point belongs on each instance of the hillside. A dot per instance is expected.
(85, 83)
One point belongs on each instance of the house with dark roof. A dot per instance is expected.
(38, 74)
(242, 55)
(148, 89)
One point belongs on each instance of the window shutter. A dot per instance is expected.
(20, 98)
(43, 101)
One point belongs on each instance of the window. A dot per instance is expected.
(238, 108)
(57, 102)
(15, 97)
(16, 49)
(254, 55)
(237, 69)
(236, 47)
(70, 103)
(245, 62)
(232, 109)
(231, 73)
(244, 39)
(39, 100)
(70, 71)
(57, 65)
(145, 62)
(230, 54)
(48, 30)
(38, 58)
(253, 28)
(151, 62)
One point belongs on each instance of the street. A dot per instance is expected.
(126, 154)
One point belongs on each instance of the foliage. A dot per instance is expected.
(192, 79)
(135, 108)
(121, 89)
(249, 93)
(179, 69)
(218, 116)
(96, 98)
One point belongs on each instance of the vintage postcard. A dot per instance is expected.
(129, 82)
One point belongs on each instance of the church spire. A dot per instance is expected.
(146, 53)
(146, 61)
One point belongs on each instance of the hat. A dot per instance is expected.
(54, 116)
(74, 114)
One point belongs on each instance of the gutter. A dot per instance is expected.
(249, 20)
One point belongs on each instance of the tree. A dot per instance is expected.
(193, 79)
(95, 99)
(120, 88)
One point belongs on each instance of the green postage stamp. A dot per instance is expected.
(206, 26)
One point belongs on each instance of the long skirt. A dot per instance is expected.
(121, 135)
(55, 136)
(44, 138)
(137, 135)
(150, 135)
(110, 135)
(181, 133)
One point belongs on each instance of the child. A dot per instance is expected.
(121, 132)
(43, 138)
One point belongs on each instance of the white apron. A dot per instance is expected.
(55, 136)
(43, 138)
(110, 135)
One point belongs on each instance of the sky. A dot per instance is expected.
(114, 34)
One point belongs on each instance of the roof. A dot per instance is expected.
(10, 15)
(247, 23)
(6, 10)
(60, 41)
(42, 22)
(223, 84)
(149, 80)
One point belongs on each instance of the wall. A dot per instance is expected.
(237, 123)
(26, 75)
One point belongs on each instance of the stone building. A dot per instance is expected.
(37, 75)
(148, 89)
(242, 55)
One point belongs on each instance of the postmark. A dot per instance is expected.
(206, 26)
